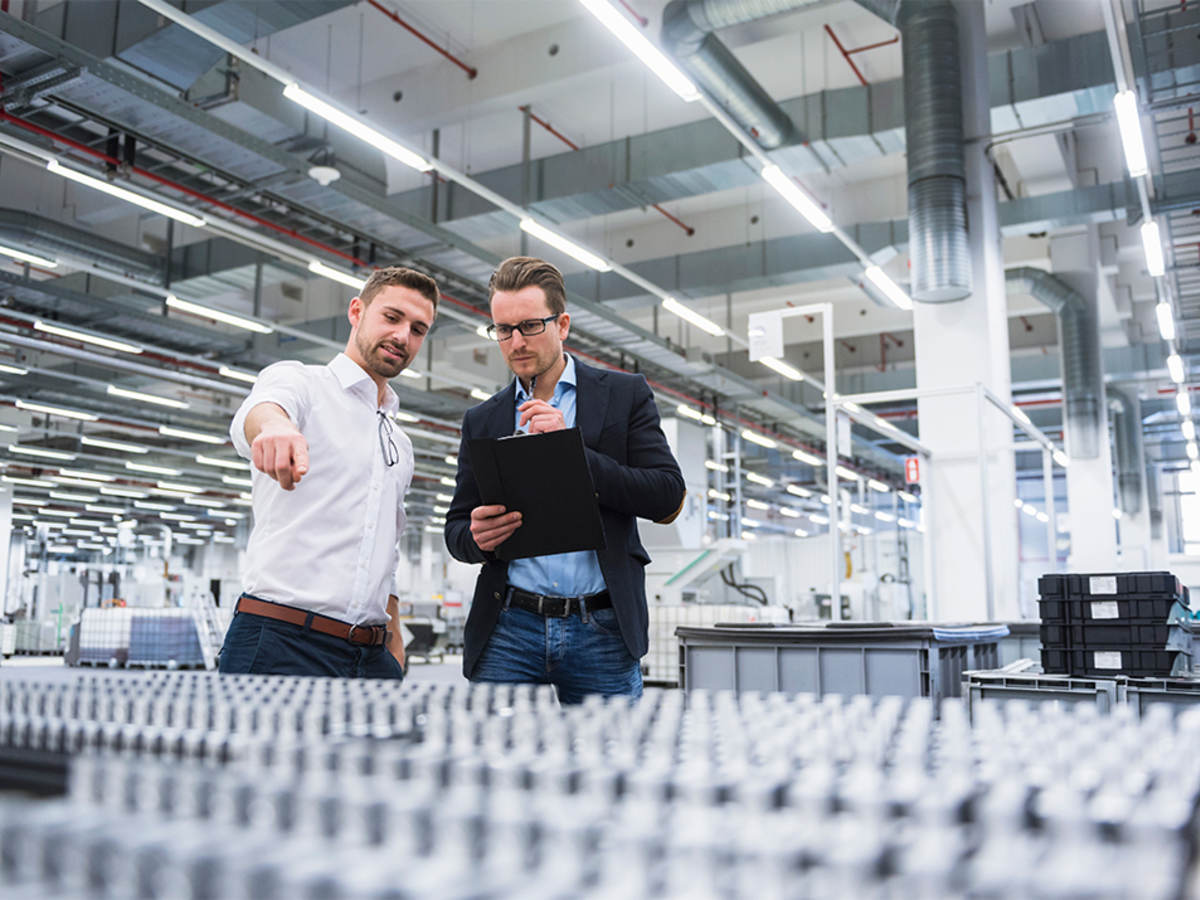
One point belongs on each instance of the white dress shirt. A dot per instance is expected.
(330, 545)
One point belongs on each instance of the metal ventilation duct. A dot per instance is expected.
(1128, 443)
(687, 35)
(933, 134)
(23, 229)
(1079, 349)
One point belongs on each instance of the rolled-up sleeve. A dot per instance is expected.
(282, 383)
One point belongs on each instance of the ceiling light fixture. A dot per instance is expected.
(89, 476)
(352, 281)
(778, 365)
(809, 458)
(99, 184)
(1175, 368)
(235, 464)
(153, 470)
(237, 374)
(887, 287)
(85, 337)
(114, 391)
(56, 411)
(641, 47)
(567, 246)
(1130, 125)
(353, 126)
(478, 394)
(112, 445)
(1152, 246)
(217, 315)
(31, 258)
(1183, 402)
(797, 197)
(39, 452)
(755, 438)
(184, 433)
(1166, 320)
(1189, 430)
(755, 478)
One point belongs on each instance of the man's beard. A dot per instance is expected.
(378, 362)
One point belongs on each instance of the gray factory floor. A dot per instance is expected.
(51, 668)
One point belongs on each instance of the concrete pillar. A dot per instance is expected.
(964, 343)
(6, 523)
(1090, 497)
(1134, 526)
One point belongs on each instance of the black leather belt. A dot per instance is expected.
(557, 607)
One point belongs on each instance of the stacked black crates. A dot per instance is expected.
(1123, 623)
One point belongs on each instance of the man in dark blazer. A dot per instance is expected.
(574, 620)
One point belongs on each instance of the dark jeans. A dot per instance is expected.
(257, 645)
(579, 656)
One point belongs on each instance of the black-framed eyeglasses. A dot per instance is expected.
(528, 328)
(391, 455)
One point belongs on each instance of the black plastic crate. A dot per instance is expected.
(1055, 635)
(1053, 610)
(1055, 660)
(1111, 584)
(1151, 635)
(1120, 608)
(1134, 661)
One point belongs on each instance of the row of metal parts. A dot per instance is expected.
(495, 791)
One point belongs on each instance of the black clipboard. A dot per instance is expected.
(546, 478)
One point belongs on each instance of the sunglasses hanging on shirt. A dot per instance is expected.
(391, 455)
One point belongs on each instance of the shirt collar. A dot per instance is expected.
(567, 377)
(350, 375)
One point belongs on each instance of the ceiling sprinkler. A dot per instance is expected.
(324, 175)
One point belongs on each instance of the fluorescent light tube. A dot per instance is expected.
(99, 184)
(847, 473)
(757, 504)
(237, 374)
(641, 47)
(714, 494)
(478, 394)
(860, 509)
(1152, 247)
(805, 457)
(63, 513)
(1130, 124)
(184, 433)
(1061, 458)
(358, 129)
(111, 510)
(13, 370)
(237, 465)
(141, 397)
(411, 373)
(217, 315)
(31, 258)
(153, 470)
(567, 246)
(1183, 402)
(352, 281)
(160, 507)
(112, 445)
(1193, 452)
(85, 337)
(705, 324)
(27, 482)
(789, 512)
(90, 476)
(876, 485)
(56, 411)
(755, 438)
(1175, 368)
(795, 195)
(884, 516)
(1166, 320)
(122, 492)
(39, 452)
(819, 519)
(800, 532)
(715, 466)
(1189, 430)
(755, 478)
(906, 496)
(240, 482)
(751, 523)
(797, 491)
(482, 331)
(887, 287)
(778, 365)
(179, 486)
(201, 501)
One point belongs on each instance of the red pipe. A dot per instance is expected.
(570, 143)
(847, 53)
(470, 70)
(641, 20)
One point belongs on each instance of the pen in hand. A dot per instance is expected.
(532, 386)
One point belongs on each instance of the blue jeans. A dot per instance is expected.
(579, 656)
(257, 645)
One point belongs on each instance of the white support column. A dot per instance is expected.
(965, 343)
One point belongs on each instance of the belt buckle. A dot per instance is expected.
(350, 634)
(547, 607)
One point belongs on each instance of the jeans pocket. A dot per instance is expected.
(604, 621)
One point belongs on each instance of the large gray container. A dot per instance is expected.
(856, 658)
(1142, 693)
(1103, 693)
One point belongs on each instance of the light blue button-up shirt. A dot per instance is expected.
(559, 574)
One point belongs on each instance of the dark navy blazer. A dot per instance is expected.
(635, 475)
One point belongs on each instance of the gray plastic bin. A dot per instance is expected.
(858, 658)
(1104, 693)
(1024, 641)
(1142, 693)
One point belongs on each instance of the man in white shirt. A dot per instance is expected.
(330, 472)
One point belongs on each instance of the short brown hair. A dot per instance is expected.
(518, 272)
(399, 276)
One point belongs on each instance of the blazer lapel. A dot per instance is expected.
(502, 414)
(591, 404)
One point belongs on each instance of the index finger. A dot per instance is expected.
(300, 456)
(487, 512)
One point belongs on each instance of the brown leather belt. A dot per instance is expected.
(368, 635)
(556, 607)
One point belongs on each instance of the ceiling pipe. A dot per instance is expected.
(51, 238)
(1127, 422)
(687, 35)
(1082, 372)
